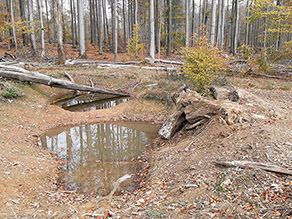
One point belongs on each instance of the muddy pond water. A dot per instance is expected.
(88, 102)
(96, 155)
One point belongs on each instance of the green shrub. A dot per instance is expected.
(10, 93)
(133, 44)
(203, 63)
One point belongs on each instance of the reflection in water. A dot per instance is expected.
(97, 155)
(84, 103)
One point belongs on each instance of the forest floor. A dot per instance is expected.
(179, 178)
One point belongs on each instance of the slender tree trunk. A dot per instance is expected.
(152, 32)
(246, 23)
(115, 31)
(124, 24)
(169, 27)
(54, 2)
(219, 20)
(42, 28)
(32, 35)
(187, 22)
(22, 15)
(100, 29)
(222, 26)
(193, 22)
(235, 35)
(61, 53)
(72, 25)
(48, 21)
(82, 53)
(106, 29)
(213, 22)
(136, 23)
(13, 27)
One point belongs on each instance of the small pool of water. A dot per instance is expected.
(97, 155)
(90, 102)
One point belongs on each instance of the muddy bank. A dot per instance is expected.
(179, 177)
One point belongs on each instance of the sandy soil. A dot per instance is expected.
(179, 179)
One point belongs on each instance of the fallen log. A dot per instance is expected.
(254, 165)
(17, 73)
(69, 77)
(171, 62)
(87, 62)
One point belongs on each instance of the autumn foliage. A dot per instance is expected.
(203, 63)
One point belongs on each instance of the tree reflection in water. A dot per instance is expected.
(97, 155)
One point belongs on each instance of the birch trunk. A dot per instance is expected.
(235, 35)
(32, 35)
(42, 28)
(187, 22)
(100, 29)
(213, 22)
(13, 28)
(222, 26)
(61, 53)
(115, 31)
(169, 27)
(152, 33)
(82, 53)
(48, 21)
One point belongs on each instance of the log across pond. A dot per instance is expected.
(17, 73)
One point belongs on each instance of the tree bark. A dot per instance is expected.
(169, 27)
(213, 22)
(115, 31)
(13, 28)
(22, 15)
(48, 21)
(235, 35)
(100, 29)
(187, 22)
(152, 33)
(32, 35)
(82, 53)
(61, 53)
(42, 28)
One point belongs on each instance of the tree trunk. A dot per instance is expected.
(187, 22)
(235, 35)
(48, 21)
(222, 26)
(115, 30)
(54, 2)
(72, 25)
(42, 28)
(169, 27)
(246, 23)
(82, 53)
(61, 53)
(213, 22)
(32, 35)
(22, 15)
(152, 33)
(124, 24)
(106, 29)
(136, 23)
(100, 29)
(13, 28)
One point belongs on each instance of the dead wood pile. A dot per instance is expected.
(193, 111)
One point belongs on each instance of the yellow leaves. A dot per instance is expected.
(203, 64)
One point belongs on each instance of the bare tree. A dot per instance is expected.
(13, 27)
(152, 32)
(61, 53)
(213, 22)
(169, 27)
(32, 35)
(187, 27)
(82, 53)
(115, 30)
(42, 28)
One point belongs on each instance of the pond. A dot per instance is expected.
(88, 102)
(97, 155)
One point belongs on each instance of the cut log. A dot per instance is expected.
(222, 93)
(173, 124)
(254, 165)
(171, 62)
(17, 73)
